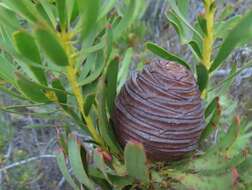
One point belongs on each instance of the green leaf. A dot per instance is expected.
(124, 68)
(31, 89)
(27, 46)
(224, 84)
(106, 7)
(223, 28)
(183, 33)
(72, 10)
(211, 106)
(49, 11)
(181, 17)
(128, 18)
(212, 122)
(43, 14)
(100, 64)
(203, 24)
(231, 135)
(23, 7)
(77, 164)
(62, 99)
(103, 124)
(8, 19)
(101, 165)
(154, 48)
(227, 11)
(202, 76)
(111, 83)
(196, 49)
(183, 6)
(135, 161)
(51, 46)
(120, 182)
(89, 101)
(63, 168)
(11, 93)
(61, 95)
(245, 170)
(241, 33)
(109, 42)
(89, 10)
(197, 181)
(7, 70)
(61, 9)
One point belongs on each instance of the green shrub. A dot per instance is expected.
(66, 53)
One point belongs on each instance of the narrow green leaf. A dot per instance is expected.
(223, 28)
(100, 64)
(103, 124)
(25, 8)
(11, 93)
(106, 7)
(180, 16)
(31, 89)
(227, 11)
(63, 168)
(88, 66)
(202, 76)
(245, 170)
(231, 135)
(109, 42)
(197, 181)
(154, 48)
(8, 19)
(52, 47)
(100, 164)
(183, 32)
(61, 95)
(7, 70)
(89, 101)
(124, 68)
(61, 9)
(72, 8)
(211, 106)
(135, 161)
(62, 99)
(44, 14)
(27, 46)
(194, 45)
(241, 33)
(120, 182)
(128, 18)
(203, 24)
(49, 11)
(111, 83)
(226, 82)
(183, 6)
(211, 124)
(89, 10)
(77, 164)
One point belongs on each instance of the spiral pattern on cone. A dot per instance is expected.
(160, 108)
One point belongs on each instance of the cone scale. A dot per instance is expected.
(161, 108)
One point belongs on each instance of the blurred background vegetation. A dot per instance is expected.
(28, 141)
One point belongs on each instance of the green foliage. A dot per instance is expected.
(68, 53)
(135, 161)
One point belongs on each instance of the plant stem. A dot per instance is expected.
(71, 75)
(209, 36)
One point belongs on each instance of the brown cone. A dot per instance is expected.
(161, 108)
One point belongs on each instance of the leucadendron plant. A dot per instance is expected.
(64, 52)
